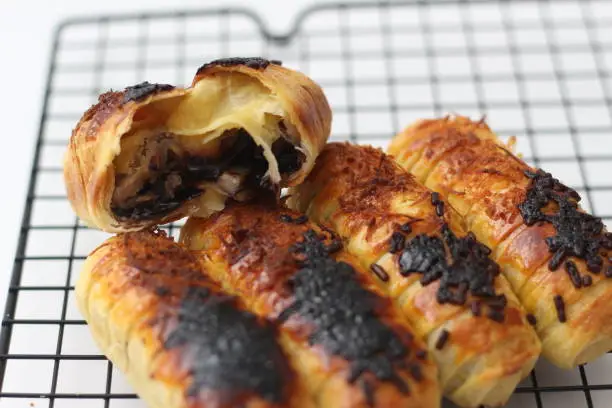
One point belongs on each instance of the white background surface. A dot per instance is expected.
(26, 29)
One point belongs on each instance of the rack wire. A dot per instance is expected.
(540, 70)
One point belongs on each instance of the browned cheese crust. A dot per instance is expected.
(180, 340)
(394, 226)
(552, 253)
(355, 350)
(114, 172)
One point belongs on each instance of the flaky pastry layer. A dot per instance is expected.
(154, 153)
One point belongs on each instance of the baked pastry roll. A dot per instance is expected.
(554, 254)
(153, 153)
(441, 278)
(181, 340)
(355, 350)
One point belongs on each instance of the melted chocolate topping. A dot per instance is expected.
(251, 62)
(578, 234)
(142, 90)
(231, 351)
(344, 315)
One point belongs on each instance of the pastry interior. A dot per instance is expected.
(226, 137)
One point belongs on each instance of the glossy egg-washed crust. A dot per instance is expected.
(355, 350)
(180, 340)
(365, 197)
(89, 170)
(490, 188)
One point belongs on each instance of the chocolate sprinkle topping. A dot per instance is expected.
(162, 291)
(435, 198)
(416, 373)
(251, 62)
(531, 319)
(230, 350)
(560, 306)
(572, 271)
(578, 234)
(497, 302)
(496, 316)
(344, 314)
(476, 308)
(442, 339)
(437, 203)
(396, 243)
(334, 247)
(379, 272)
(142, 90)
(302, 219)
(406, 227)
(469, 270)
(440, 209)
(368, 391)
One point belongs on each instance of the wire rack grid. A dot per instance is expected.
(539, 70)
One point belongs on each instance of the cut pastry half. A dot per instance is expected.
(153, 153)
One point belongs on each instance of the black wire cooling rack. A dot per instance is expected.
(539, 70)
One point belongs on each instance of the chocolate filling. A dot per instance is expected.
(167, 176)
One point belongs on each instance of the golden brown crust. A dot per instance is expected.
(488, 185)
(301, 97)
(367, 198)
(263, 253)
(90, 170)
(89, 174)
(156, 315)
